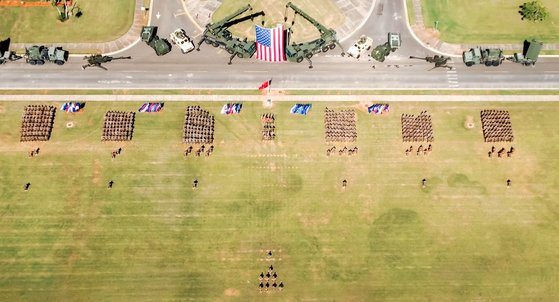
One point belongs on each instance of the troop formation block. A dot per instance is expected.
(417, 128)
(198, 126)
(340, 126)
(268, 127)
(37, 123)
(496, 126)
(118, 126)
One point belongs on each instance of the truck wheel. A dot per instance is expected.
(325, 48)
(208, 42)
(487, 63)
(40, 62)
(215, 44)
(59, 63)
(33, 62)
(299, 59)
(230, 51)
(469, 64)
(308, 56)
(496, 63)
(332, 46)
(240, 55)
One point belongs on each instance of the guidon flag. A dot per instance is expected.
(270, 44)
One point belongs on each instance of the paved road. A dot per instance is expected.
(208, 68)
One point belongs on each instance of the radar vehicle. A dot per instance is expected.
(530, 53)
(380, 52)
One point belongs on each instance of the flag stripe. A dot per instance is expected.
(274, 37)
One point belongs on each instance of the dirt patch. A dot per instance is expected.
(312, 221)
(232, 292)
(2, 109)
(469, 123)
(96, 172)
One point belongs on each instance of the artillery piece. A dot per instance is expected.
(439, 61)
(97, 60)
(327, 41)
(218, 35)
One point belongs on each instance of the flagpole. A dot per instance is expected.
(270, 86)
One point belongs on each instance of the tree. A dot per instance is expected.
(533, 11)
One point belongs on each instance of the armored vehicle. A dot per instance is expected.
(362, 45)
(38, 55)
(380, 52)
(179, 38)
(149, 35)
(218, 35)
(530, 53)
(296, 52)
(489, 57)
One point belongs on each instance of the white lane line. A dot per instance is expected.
(257, 71)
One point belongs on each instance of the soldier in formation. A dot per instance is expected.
(118, 126)
(496, 126)
(417, 129)
(37, 123)
(268, 126)
(340, 126)
(198, 126)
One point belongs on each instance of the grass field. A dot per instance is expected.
(495, 21)
(101, 22)
(466, 237)
(324, 11)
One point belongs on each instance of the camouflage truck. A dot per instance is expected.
(38, 55)
(380, 52)
(488, 56)
(5, 54)
(149, 36)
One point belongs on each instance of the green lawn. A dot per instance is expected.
(495, 21)
(324, 11)
(466, 237)
(102, 21)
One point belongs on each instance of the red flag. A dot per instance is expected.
(265, 85)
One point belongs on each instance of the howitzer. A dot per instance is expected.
(439, 61)
(97, 60)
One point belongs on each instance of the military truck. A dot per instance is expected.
(38, 55)
(530, 53)
(149, 35)
(361, 46)
(218, 35)
(296, 52)
(380, 52)
(488, 57)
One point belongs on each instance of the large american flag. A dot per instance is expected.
(270, 44)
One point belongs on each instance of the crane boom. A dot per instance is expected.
(321, 28)
(221, 23)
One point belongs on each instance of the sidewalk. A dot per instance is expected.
(430, 37)
(285, 98)
(355, 11)
(124, 41)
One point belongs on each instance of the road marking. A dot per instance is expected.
(261, 71)
(179, 14)
(551, 71)
(158, 15)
